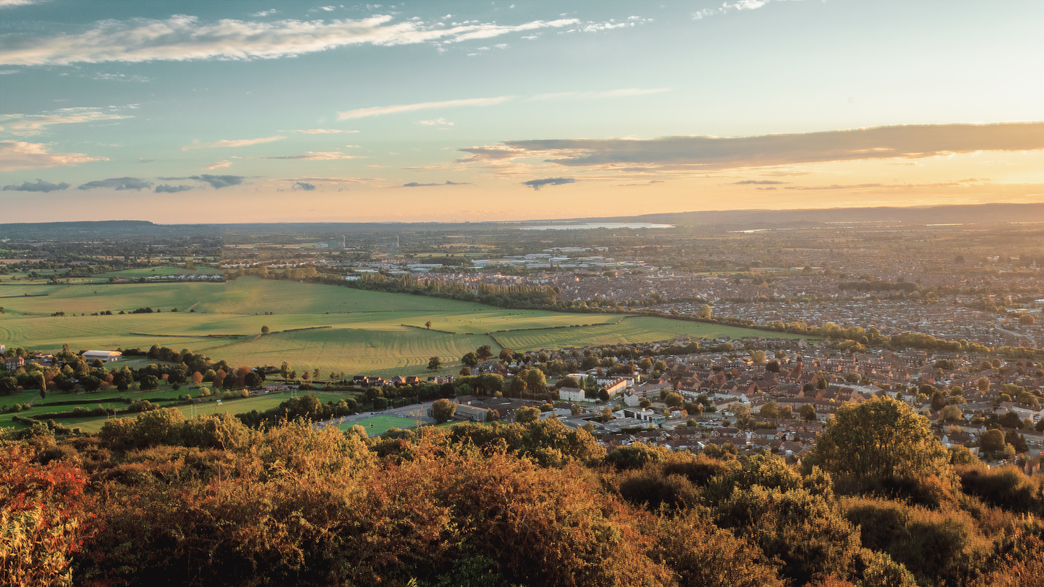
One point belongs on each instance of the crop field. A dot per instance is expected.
(312, 326)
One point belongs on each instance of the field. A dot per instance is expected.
(112, 399)
(377, 425)
(334, 329)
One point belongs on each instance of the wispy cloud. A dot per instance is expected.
(170, 189)
(382, 110)
(414, 184)
(536, 184)
(623, 93)
(321, 131)
(32, 124)
(757, 182)
(231, 143)
(320, 156)
(218, 181)
(220, 164)
(725, 8)
(118, 184)
(39, 186)
(185, 38)
(16, 155)
(436, 122)
(13, 3)
(909, 142)
(304, 185)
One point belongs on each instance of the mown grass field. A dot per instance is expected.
(312, 326)
(378, 425)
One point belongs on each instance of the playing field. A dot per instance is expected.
(378, 425)
(330, 328)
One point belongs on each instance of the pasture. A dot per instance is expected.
(312, 326)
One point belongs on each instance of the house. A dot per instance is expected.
(13, 363)
(103, 356)
(570, 394)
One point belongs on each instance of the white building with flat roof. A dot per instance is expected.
(103, 356)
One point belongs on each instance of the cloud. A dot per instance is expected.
(118, 183)
(218, 181)
(886, 142)
(223, 144)
(436, 122)
(308, 187)
(33, 124)
(185, 38)
(264, 13)
(725, 8)
(320, 156)
(170, 189)
(39, 186)
(536, 184)
(315, 131)
(414, 184)
(382, 110)
(16, 155)
(13, 3)
(757, 182)
(622, 93)
(220, 164)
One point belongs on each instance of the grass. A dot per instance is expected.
(377, 425)
(312, 326)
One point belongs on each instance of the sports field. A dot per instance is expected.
(330, 328)
(377, 425)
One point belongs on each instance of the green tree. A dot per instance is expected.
(265, 330)
(443, 410)
(877, 442)
(705, 312)
(527, 414)
(428, 324)
(469, 360)
(808, 412)
(484, 353)
(434, 364)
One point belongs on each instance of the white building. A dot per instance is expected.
(103, 356)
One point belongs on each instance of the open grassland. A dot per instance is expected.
(312, 326)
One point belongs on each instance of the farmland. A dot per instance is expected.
(312, 326)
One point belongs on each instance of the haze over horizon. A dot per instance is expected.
(452, 111)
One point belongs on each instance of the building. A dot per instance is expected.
(103, 356)
(13, 363)
(570, 394)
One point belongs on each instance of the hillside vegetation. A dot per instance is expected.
(160, 500)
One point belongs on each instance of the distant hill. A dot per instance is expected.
(918, 215)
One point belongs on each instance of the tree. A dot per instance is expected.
(428, 324)
(265, 330)
(674, 400)
(1027, 319)
(770, 410)
(603, 394)
(705, 312)
(484, 353)
(536, 381)
(991, 442)
(878, 442)
(808, 412)
(443, 410)
(951, 414)
(434, 364)
(772, 367)
(527, 414)
(469, 360)
(759, 357)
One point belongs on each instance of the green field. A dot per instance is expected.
(378, 425)
(111, 399)
(312, 326)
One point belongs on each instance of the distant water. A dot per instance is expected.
(588, 225)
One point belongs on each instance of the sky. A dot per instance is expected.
(431, 111)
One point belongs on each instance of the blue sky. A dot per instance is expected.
(246, 111)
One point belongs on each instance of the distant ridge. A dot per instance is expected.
(747, 219)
